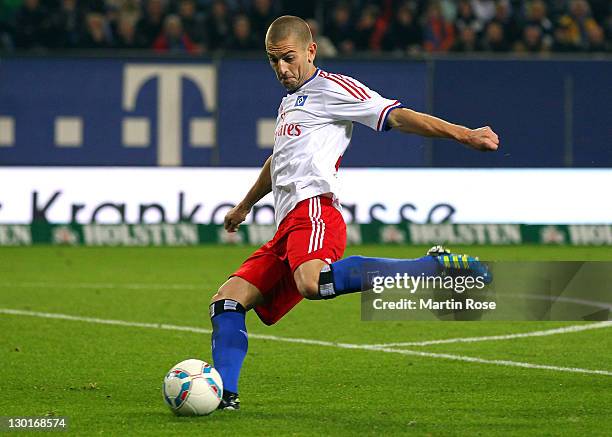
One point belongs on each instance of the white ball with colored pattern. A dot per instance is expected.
(192, 388)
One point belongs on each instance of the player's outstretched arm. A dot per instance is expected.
(262, 186)
(409, 121)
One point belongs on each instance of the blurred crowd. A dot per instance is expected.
(340, 28)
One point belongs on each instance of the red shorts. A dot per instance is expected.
(314, 229)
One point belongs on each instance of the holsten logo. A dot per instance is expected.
(169, 107)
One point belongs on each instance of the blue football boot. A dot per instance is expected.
(457, 265)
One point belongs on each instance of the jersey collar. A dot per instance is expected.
(309, 79)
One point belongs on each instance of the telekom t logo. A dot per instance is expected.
(136, 130)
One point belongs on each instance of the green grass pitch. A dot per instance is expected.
(107, 378)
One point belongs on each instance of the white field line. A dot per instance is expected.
(496, 362)
(584, 302)
(545, 333)
(103, 285)
(305, 341)
(186, 286)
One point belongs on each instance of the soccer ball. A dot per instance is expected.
(192, 388)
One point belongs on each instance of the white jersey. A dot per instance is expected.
(313, 129)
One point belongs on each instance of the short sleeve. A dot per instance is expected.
(348, 99)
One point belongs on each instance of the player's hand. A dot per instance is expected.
(234, 217)
(483, 139)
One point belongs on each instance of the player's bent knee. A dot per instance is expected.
(307, 278)
(238, 289)
(309, 289)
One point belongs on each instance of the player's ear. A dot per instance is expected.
(311, 52)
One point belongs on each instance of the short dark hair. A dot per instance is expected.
(289, 25)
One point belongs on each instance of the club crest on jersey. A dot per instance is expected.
(301, 100)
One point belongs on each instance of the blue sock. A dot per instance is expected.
(229, 341)
(355, 273)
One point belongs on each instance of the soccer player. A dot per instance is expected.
(303, 260)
